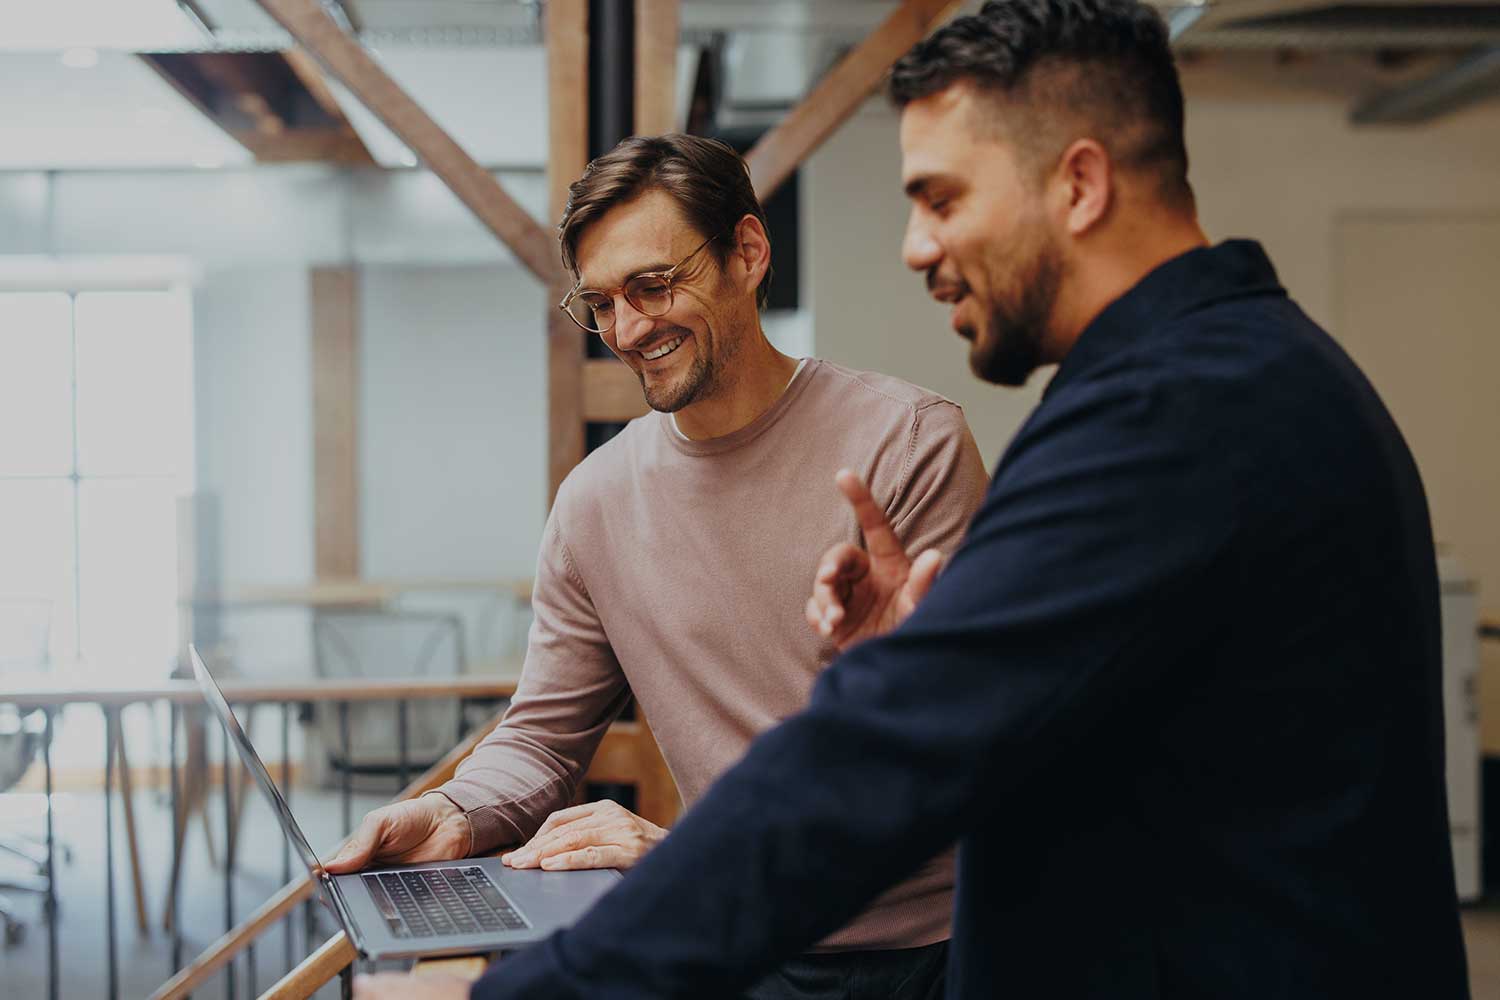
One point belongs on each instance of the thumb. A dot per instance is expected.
(923, 572)
(356, 851)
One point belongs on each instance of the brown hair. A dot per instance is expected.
(709, 181)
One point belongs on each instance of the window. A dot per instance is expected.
(95, 448)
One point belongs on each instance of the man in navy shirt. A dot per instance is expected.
(1177, 694)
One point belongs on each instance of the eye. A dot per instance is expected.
(648, 287)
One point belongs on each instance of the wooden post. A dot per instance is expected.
(335, 388)
(568, 138)
(656, 34)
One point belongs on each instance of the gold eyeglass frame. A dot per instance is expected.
(668, 277)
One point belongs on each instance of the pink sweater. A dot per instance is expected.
(677, 570)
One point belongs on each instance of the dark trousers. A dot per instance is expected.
(905, 974)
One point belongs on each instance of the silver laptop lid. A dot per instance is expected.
(215, 699)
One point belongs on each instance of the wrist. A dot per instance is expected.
(440, 803)
(451, 821)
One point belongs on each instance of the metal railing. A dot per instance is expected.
(50, 694)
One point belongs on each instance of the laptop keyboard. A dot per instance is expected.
(439, 901)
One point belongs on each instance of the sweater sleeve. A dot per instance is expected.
(943, 481)
(571, 689)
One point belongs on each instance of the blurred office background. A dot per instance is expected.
(213, 257)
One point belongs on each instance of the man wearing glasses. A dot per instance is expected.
(674, 563)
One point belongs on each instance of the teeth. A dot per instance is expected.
(664, 349)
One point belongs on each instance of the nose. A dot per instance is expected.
(919, 249)
(631, 325)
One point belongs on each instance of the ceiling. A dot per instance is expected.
(475, 65)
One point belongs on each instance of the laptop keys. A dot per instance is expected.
(441, 901)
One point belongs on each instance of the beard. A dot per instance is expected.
(701, 379)
(672, 396)
(1009, 348)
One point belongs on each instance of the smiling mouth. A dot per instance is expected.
(664, 349)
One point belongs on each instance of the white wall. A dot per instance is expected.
(453, 422)
(253, 410)
(1272, 158)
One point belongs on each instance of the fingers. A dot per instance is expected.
(593, 856)
(923, 572)
(841, 568)
(879, 538)
(618, 839)
(540, 848)
(360, 846)
(548, 832)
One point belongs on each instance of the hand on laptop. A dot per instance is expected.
(426, 828)
(594, 835)
(859, 593)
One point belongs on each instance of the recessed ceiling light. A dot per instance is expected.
(80, 58)
(408, 159)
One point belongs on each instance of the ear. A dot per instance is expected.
(751, 254)
(1087, 180)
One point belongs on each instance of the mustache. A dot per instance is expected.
(938, 285)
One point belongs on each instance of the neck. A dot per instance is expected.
(759, 376)
(1130, 255)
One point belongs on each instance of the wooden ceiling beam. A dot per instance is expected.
(840, 93)
(320, 36)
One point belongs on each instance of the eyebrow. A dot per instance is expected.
(921, 186)
(648, 269)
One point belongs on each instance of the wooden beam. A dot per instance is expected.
(335, 388)
(611, 392)
(306, 70)
(567, 155)
(840, 93)
(657, 28)
(344, 58)
(318, 968)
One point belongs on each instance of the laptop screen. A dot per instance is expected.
(215, 699)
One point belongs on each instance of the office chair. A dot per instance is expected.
(25, 637)
(388, 645)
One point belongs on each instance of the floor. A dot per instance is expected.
(144, 960)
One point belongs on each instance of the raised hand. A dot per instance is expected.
(594, 835)
(426, 828)
(860, 593)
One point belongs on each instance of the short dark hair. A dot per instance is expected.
(1103, 65)
(709, 181)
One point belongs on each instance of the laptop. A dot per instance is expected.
(434, 908)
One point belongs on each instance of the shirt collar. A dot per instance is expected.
(1201, 277)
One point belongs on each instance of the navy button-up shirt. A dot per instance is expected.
(1177, 697)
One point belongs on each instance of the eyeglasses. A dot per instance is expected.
(650, 293)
